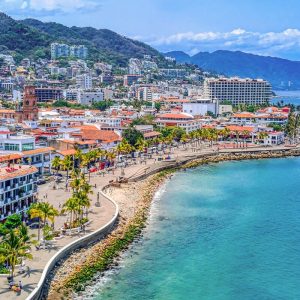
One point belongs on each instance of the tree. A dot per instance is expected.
(157, 106)
(132, 135)
(56, 163)
(12, 248)
(67, 164)
(44, 211)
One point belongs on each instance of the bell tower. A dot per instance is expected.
(30, 108)
(29, 111)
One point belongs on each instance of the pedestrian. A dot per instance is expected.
(95, 185)
(20, 284)
(28, 271)
(98, 196)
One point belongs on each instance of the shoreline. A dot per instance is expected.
(108, 250)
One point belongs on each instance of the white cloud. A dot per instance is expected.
(269, 43)
(49, 5)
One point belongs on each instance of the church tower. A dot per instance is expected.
(30, 108)
(29, 111)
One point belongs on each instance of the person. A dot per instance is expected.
(28, 271)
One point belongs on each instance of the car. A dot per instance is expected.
(34, 225)
(41, 181)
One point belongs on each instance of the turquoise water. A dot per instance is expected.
(218, 232)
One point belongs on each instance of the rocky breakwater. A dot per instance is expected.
(242, 155)
(82, 267)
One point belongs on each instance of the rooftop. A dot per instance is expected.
(16, 171)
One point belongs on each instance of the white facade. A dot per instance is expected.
(200, 108)
(90, 97)
(17, 189)
(238, 91)
(84, 82)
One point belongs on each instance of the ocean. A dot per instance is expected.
(288, 97)
(221, 231)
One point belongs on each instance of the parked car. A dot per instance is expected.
(41, 181)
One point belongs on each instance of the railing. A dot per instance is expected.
(65, 251)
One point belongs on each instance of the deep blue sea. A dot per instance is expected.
(224, 231)
(288, 97)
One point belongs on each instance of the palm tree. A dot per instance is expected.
(245, 134)
(262, 135)
(12, 248)
(71, 206)
(44, 211)
(67, 164)
(56, 163)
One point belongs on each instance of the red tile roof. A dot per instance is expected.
(17, 171)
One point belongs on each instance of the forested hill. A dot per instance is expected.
(282, 73)
(33, 38)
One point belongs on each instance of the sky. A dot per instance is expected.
(265, 27)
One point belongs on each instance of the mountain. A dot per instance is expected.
(236, 63)
(32, 38)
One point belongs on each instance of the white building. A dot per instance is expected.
(18, 189)
(90, 97)
(238, 91)
(84, 82)
(183, 120)
(200, 107)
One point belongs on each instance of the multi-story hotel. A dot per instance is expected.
(18, 189)
(238, 91)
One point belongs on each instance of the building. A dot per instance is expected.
(174, 73)
(185, 121)
(79, 51)
(90, 97)
(200, 107)
(48, 94)
(59, 50)
(238, 91)
(84, 82)
(131, 79)
(25, 147)
(144, 94)
(63, 50)
(29, 110)
(18, 189)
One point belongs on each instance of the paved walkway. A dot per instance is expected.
(99, 216)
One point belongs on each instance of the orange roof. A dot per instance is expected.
(175, 116)
(7, 111)
(177, 100)
(67, 152)
(151, 134)
(240, 128)
(244, 115)
(102, 135)
(18, 171)
(10, 157)
(38, 151)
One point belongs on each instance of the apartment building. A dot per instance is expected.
(90, 97)
(18, 189)
(238, 91)
(185, 121)
(29, 154)
(84, 82)
(63, 50)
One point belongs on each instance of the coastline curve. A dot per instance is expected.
(37, 293)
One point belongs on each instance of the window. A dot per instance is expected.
(11, 147)
(27, 146)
